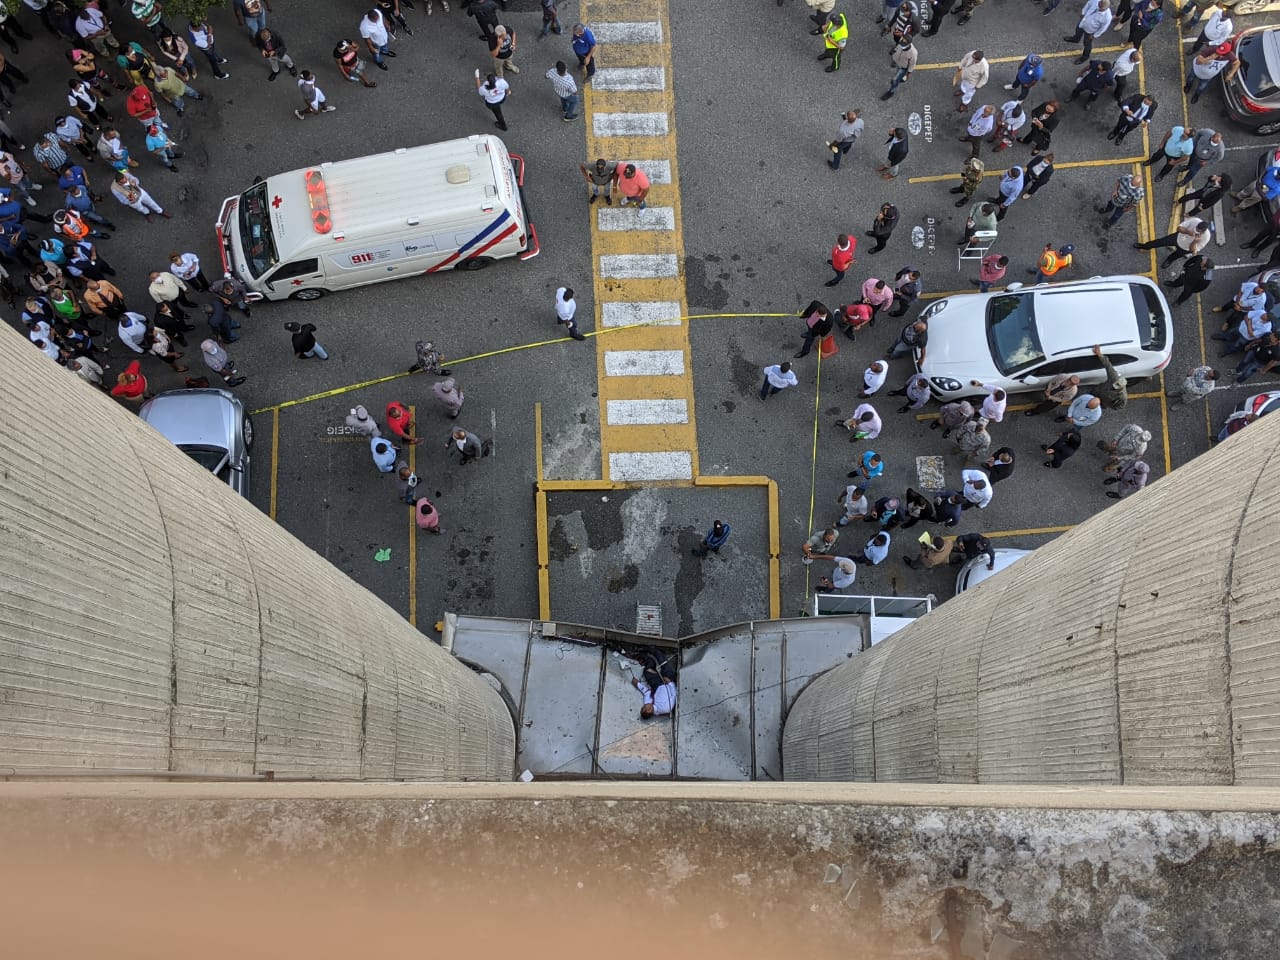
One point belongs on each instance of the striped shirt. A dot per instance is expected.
(50, 153)
(562, 82)
(1127, 193)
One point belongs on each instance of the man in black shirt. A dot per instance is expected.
(1196, 276)
(975, 545)
(1261, 358)
(305, 345)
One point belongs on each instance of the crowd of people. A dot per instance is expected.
(75, 307)
(995, 127)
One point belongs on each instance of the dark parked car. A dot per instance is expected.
(1253, 94)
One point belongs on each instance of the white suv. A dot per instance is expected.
(1020, 338)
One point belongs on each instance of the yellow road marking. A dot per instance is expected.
(275, 457)
(1028, 532)
(1056, 54)
(413, 530)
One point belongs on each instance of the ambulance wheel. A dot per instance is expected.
(310, 293)
(479, 263)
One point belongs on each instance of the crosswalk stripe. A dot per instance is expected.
(638, 266)
(664, 313)
(629, 124)
(623, 413)
(631, 218)
(673, 465)
(644, 363)
(623, 79)
(649, 31)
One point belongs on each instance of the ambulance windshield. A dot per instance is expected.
(255, 231)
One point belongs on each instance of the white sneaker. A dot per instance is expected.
(1008, 86)
(31, 202)
(298, 114)
(37, 186)
(329, 108)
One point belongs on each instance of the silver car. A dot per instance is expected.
(975, 571)
(210, 426)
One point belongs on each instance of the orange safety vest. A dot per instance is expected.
(1051, 263)
(74, 227)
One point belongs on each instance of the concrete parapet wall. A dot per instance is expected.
(706, 870)
(150, 619)
(1138, 648)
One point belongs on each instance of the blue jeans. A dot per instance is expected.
(256, 24)
(317, 351)
(1040, 277)
(1247, 367)
(839, 154)
(983, 286)
(897, 79)
(767, 389)
(570, 106)
(380, 53)
(1114, 213)
(1051, 5)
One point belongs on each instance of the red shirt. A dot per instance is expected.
(140, 104)
(635, 185)
(842, 257)
(131, 390)
(399, 420)
(857, 314)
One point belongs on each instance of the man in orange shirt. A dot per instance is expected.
(632, 183)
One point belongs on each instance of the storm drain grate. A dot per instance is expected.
(649, 619)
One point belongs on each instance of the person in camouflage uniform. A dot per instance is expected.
(970, 179)
(430, 360)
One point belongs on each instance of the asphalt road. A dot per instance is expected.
(760, 210)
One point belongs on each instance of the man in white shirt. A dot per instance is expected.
(873, 378)
(1123, 65)
(876, 550)
(133, 331)
(566, 307)
(777, 377)
(994, 404)
(1095, 20)
(1216, 32)
(865, 423)
(374, 30)
(977, 489)
(658, 687)
(842, 576)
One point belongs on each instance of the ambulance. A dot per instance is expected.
(457, 205)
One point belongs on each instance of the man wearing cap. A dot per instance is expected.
(1209, 63)
(835, 35)
(1191, 237)
(1030, 72)
(842, 576)
(220, 362)
(1052, 262)
(448, 395)
(1125, 196)
(305, 344)
(362, 424)
(633, 184)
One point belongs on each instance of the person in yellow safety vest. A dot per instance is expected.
(834, 35)
(1051, 262)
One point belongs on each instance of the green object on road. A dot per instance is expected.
(383, 555)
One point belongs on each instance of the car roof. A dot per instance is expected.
(1073, 318)
(205, 418)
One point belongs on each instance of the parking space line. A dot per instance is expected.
(275, 457)
(990, 172)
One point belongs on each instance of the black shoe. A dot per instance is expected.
(961, 202)
(1113, 495)
(272, 77)
(293, 71)
(1111, 480)
(832, 165)
(389, 53)
(965, 18)
(887, 95)
(853, 474)
(1080, 60)
(380, 66)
